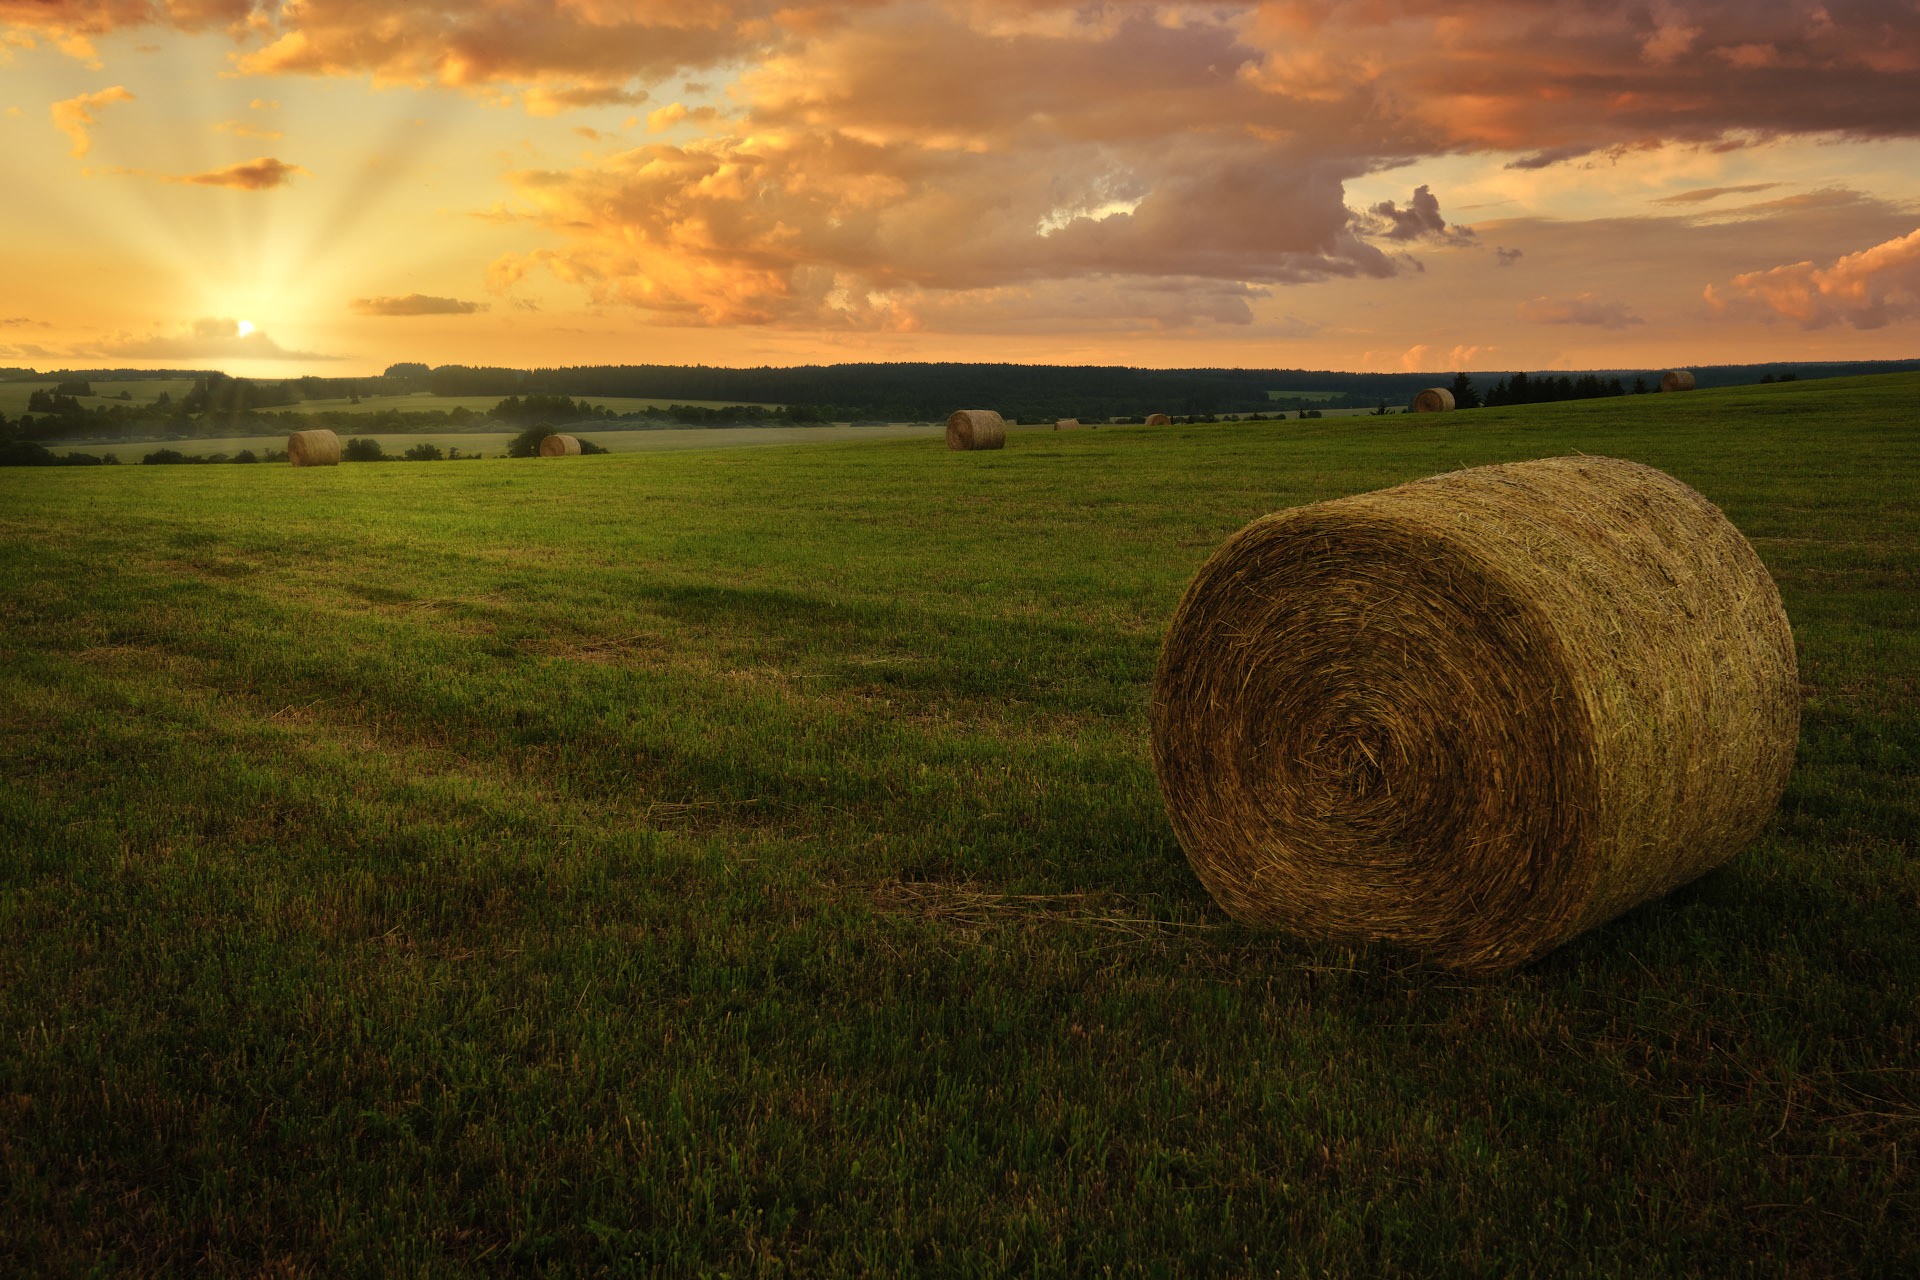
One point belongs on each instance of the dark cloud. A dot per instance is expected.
(1584, 309)
(1420, 220)
(415, 304)
(1704, 194)
(262, 174)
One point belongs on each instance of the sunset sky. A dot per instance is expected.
(330, 186)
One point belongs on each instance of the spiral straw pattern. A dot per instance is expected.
(1477, 714)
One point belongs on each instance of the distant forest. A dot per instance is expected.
(81, 404)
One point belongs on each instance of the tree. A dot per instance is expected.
(364, 451)
(527, 443)
(425, 451)
(1464, 394)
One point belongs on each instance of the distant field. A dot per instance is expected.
(750, 863)
(423, 401)
(14, 395)
(493, 444)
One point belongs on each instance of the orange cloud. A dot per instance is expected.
(1866, 290)
(74, 116)
(415, 304)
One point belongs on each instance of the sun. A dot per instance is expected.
(245, 327)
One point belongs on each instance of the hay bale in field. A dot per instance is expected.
(1676, 380)
(559, 446)
(976, 429)
(1066, 424)
(316, 448)
(1159, 420)
(1434, 400)
(1476, 714)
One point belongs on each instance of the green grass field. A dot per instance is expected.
(750, 863)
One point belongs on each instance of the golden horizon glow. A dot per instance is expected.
(1296, 184)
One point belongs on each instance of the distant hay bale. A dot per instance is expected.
(316, 448)
(1434, 400)
(1066, 424)
(1477, 714)
(1159, 420)
(1676, 380)
(559, 446)
(976, 429)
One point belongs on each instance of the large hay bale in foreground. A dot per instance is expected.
(1676, 380)
(1066, 424)
(1476, 714)
(976, 429)
(316, 448)
(1159, 420)
(1434, 400)
(559, 446)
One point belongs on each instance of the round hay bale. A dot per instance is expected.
(1676, 380)
(559, 446)
(976, 429)
(316, 448)
(1159, 420)
(1434, 400)
(1066, 424)
(1477, 714)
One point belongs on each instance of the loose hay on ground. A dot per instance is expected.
(1477, 714)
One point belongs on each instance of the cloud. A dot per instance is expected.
(1507, 257)
(1583, 309)
(1551, 156)
(74, 116)
(21, 322)
(1420, 220)
(1866, 290)
(415, 304)
(1704, 194)
(897, 162)
(209, 338)
(262, 174)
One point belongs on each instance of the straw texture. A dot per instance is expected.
(1477, 714)
(316, 448)
(1066, 424)
(559, 446)
(1676, 380)
(976, 429)
(1433, 400)
(1159, 420)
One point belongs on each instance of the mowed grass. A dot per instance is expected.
(750, 863)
